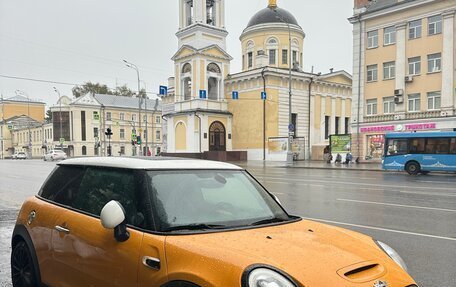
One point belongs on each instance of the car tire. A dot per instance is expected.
(23, 270)
(413, 168)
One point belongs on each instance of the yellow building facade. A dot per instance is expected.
(250, 110)
(404, 77)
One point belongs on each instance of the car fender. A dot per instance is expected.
(180, 284)
(21, 233)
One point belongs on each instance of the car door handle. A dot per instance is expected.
(151, 262)
(61, 229)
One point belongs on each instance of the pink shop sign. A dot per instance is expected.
(415, 127)
(377, 129)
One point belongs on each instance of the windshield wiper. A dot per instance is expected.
(268, 220)
(198, 226)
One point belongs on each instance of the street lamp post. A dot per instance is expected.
(290, 124)
(133, 66)
(28, 121)
(60, 117)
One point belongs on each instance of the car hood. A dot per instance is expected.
(313, 253)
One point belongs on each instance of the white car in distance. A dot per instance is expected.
(55, 155)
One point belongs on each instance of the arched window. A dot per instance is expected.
(272, 41)
(214, 68)
(84, 150)
(187, 68)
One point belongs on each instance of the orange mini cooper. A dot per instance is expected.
(183, 223)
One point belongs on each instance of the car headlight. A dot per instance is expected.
(266, 277)
(392, 253)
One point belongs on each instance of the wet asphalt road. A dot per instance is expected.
(414, 215)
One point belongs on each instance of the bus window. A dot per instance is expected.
(397, 146)
(438, 146)
(417, 146)
(453, 146)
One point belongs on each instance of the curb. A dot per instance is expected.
(333, 168)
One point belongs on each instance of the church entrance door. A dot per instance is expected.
(217, 135)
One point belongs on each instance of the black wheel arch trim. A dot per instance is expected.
(21, 233)
(180, 284)
(248, 270)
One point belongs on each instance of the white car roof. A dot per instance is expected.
(149, 163)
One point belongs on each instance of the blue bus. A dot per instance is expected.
(420, 152)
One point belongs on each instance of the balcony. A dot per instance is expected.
(423, 115)
(378, 118)
(201, 104)
(405, 116)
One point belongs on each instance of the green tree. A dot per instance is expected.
(89, 87)
(48, 117)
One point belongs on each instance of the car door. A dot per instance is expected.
(85, 245)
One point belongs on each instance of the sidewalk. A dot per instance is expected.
(374, 166)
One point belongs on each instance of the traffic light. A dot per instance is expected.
(108, 132)
(138, 140)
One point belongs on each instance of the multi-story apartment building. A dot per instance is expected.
(403, 70)
(14, 112)
(30, 136)
(79, 125)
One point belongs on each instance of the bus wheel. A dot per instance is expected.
(413, 168)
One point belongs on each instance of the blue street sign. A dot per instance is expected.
(203, 94)
(235, 95)
(263, 96)
(291, 127)
(163, 90)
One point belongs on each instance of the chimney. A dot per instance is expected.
(361, 3)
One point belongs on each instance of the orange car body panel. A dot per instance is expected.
(312, 253)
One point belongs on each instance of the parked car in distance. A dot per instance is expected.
(182, 223)
(55, 154)
(19, 155)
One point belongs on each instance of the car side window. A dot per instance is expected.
(99, 186)
(63, 185)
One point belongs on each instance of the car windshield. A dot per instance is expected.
(211, 199)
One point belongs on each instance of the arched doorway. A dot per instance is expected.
(217, 137)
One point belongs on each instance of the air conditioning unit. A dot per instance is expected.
(408, 79)
(398, 100)
(398, 92)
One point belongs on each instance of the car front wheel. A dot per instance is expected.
(23, 272)
(413, 168)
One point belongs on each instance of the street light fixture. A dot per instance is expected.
(290, 124)
(133, 66)
(19, 92)
(60, 117)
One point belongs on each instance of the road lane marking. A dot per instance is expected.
(381, 229)
(428, 193)
(397, 205)
(365, 184)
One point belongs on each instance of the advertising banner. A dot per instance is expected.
(340, 143)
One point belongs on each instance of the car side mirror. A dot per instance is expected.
(113, 217)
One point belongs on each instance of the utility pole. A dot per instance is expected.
(3, 124)
(133, 66)
(28, 122)
(60, 117)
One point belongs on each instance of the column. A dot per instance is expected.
(198, 10)
(221, 20)
(181, 14)
(401, 63)
(358, 74)
(448, 62)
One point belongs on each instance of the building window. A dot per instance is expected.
(272, 57)
(434, 101)
(96, 116)
(157, 119)
(414, 102)
(347, 123)
(108, 116)
(372, 73)
(337, 125)
(84, 150)
(389, 36)
(145, 118)
(295, 57)
(83, 126)
(122, 134)
(327, 127)
(435, 25)
(414, 65)
(133, 117)
(388, 105)
(372, 39)
(122, 116)
(250, 59)
(284, 57)
(434, 63)
(415, 29)
(158, 135)
(389, 70)
(372, 107)
(122, 150)
(95, 133)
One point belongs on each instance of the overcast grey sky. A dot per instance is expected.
(85, 40)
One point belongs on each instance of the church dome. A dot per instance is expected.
(272, 14)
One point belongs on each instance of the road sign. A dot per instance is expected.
(62, 140)
(235, 95)
(290, 139)
(263, 96)
(96, 117)
(291, 127)
(163, 90)
(291, 134)
(203, 94)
